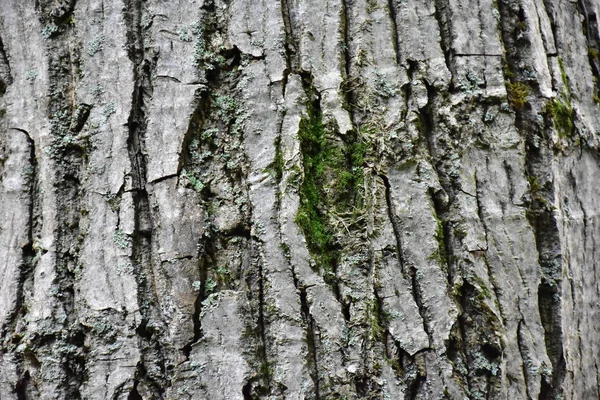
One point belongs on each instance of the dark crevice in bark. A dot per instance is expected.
(80, 117)
(524, 357)
(206, 256)
(61, 10)
(549, 6)
(291, 36)
(290, 45)
(456, 345)
(153, 379)
(540, 205)
(346, 22)
(219, 78)
(479, 351)
(197, 333)
(277, 166)
(309, 326)
(480, 210)
(412, 271)
(209, 253)
(265, 370)
(443, 18)
(547, 239)
(418, 296)
(67, 164)
(311, 341)
(22, 387)
(379, 323)
(395, 224)
(476, 55)
(439, 197)
(515, 38)
(164, 178)
(550, 315)
(414, 389)
(247, 391)
(393, 13)
(6, 78)
(443, 234)
(411, 371)
(590, 27)
(416, 385)
(212, 155)
(133, 393)
(142, 257)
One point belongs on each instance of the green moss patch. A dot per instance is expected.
(517, 94)
(332, 181)
(561, 110)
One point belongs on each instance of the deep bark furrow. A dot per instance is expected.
(6, 77)
(391, 4)
(443, 19)
(395, 225)
(312, 340)
(67, 166)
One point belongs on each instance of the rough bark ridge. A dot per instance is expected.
(319, 199)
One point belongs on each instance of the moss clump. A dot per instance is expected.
(440, 255)
(276, 166)
(332, 178)
(311, 217)
(517, 94)
(562, 116)
(377, 319)
(560, 108)
(357, 153)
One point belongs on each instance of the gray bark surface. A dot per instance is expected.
(299, 199)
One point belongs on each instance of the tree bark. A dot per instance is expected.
(299, 199)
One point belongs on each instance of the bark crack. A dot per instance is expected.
(395, 36)
(142, 256)
(394, 222)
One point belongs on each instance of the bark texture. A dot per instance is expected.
(299, 199)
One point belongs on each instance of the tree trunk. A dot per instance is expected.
(299, 199)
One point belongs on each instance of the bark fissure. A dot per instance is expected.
(262, 327)
(524, 357)
(393, 219)
(68, 161)
(443, 20)
(291, 37)
(590, 27)
(391, 4)
(311, 339)
(6, 78)
(142, 242)
(480, 210)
